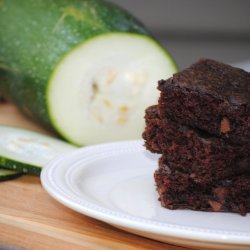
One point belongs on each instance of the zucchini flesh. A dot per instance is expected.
(97, 94)
(27, 151)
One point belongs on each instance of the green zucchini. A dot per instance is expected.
(6, 174)
(84, 68)
(27, 151)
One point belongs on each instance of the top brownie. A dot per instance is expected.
(210, 96)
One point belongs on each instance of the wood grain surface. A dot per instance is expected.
(31, 219)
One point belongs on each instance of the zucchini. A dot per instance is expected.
(6, 174)
(84, 68)
(27, 151)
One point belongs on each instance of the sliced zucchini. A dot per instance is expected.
(6, 174)
(27, 151)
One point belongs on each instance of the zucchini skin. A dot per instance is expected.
(9, 176)
(35, 35)
(21, 167)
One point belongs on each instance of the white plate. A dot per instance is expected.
(114, 183)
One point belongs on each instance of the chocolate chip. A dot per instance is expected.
(216, 206)
(225, 125)
(220, 193)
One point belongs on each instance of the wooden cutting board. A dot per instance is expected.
(31, 219)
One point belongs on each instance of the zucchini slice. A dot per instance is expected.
(6, 174)
(27, 151)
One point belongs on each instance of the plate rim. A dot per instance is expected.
(123, 220)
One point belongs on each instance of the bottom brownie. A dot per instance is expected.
(177, 191)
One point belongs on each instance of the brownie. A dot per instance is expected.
(227, 195)
(192, 152)
(204, 172)
(210, 96)
(200, 128)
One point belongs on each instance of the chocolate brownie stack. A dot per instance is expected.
(201, 128)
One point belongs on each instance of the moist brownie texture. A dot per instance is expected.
(201, 130)
(210, 96)
(205, 158)
(228, 195)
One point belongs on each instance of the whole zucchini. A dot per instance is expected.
(84, 68)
